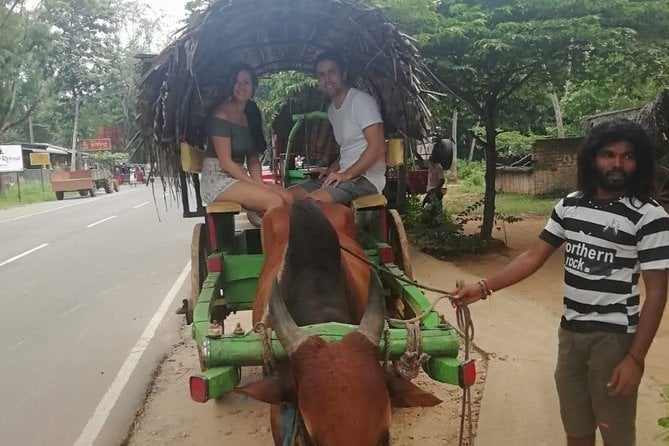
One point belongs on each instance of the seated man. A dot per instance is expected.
(358, 128)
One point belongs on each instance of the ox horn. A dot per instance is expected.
(289, 334)
(371, 324)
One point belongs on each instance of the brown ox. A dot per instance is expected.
(339, 389)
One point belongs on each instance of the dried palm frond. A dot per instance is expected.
(182, 84)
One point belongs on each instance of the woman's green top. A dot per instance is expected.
(241, 140)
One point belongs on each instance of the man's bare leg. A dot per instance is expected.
(581, 441)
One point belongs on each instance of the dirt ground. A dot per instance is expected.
(169, 417)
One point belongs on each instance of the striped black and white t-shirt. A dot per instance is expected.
(606, 248)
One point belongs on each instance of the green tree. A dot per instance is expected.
(23, 48)
(85, 36)
(493, 56)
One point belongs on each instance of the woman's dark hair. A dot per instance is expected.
(252, 112)
(254, 118)
(640, 184)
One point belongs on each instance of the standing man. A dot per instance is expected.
(358, 128)
(614, 233)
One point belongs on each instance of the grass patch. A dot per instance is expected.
(31, 193)
(463, 204)
(460, 196)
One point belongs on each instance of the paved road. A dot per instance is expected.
(84, 283)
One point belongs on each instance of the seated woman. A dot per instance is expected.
(235, 136)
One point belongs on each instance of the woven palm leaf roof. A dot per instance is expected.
(188, 79)
(654, 117)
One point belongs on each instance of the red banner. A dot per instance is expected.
(95, 145)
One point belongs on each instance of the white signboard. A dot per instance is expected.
(11, 159)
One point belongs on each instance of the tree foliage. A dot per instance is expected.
(63, 51)
(499, 59)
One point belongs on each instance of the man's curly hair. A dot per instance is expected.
(641, 184)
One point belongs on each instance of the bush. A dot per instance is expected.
(472, 175)
(445, 240)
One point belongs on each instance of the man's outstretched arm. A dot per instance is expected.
(521, 267)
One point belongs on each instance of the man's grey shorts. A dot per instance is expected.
(344, 192)
(585, 364)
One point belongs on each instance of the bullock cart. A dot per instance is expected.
(226, 263)
(187, 80)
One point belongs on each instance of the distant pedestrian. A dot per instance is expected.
(614, 233)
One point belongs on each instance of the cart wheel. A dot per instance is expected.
(662, 186)
(60, 195)
(198, 266)
(397, 239)
(83, 193)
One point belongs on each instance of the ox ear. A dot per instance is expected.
(405, 394)
(269, 390)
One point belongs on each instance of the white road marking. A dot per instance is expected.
(22, 341)
(71, 310)
(104, 408)
(45, 211)
(30, 251)
(78, 203)
(101, 221)
(142, 204)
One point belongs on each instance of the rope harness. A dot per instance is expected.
(409, 364)
(466, 327)
(265, 330)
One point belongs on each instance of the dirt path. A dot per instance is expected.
(171, 418)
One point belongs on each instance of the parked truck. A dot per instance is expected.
(83, 181)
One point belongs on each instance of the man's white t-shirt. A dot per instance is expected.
(358, 111)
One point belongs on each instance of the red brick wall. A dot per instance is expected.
(554, 162)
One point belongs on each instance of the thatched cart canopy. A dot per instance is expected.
(654, 117)
(187, 80)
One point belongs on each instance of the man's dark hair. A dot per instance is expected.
(332, 56)
(640, 184)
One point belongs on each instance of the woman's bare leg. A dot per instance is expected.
(285, 194)
(255, 197)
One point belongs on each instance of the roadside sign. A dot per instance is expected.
(95, 145)
(39, 159)
(11, 158)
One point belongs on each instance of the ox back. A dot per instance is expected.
(313, 282)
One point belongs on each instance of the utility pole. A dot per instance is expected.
(73, 163)
(30, 128)
(454, 138)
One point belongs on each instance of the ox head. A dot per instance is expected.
(341, 391)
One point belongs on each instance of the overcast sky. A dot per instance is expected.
(173, 9)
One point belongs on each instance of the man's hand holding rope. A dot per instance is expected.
(468, 294)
